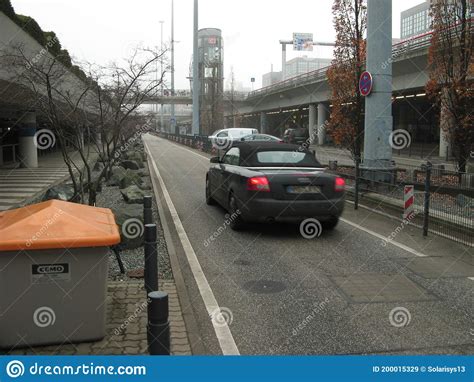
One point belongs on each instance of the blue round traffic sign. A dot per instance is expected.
(366, 83)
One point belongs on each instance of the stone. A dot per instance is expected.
(61, 192)
(117, 174)
(133, 195)
(129, 218)
(130, 165)
(130, 178)
(99, 166)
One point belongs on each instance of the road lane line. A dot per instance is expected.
(370, 232)
(381, 237)
(223, 333)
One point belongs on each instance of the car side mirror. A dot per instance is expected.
(215, 160)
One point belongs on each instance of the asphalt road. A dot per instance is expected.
(283, 294)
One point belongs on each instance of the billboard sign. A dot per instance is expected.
(303, 41)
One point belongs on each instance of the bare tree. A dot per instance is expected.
(99, 110)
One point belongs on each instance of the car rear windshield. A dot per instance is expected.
(283, 159)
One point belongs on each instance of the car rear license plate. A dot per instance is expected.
(303, 189)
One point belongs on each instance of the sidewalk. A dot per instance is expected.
(343, 157)
(126, 325)
(20, 185)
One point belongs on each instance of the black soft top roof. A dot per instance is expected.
(248, 149)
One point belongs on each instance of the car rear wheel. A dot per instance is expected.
(209, 199)
(236, 222)
(330, 224)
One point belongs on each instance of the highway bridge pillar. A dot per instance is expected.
(27, 141)
(322, 121)
(378, 105)
(312, 126)
(263, 123)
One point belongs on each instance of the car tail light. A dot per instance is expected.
(258, 183)
(339, 184)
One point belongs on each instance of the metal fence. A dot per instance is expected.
(443, 203)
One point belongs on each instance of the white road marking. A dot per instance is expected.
(471, 278)
(381, 237)
(222, 330)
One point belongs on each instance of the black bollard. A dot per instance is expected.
(151, 259)
(158, 329)
(147, 210)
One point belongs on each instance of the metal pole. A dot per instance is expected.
(147, 210)
(158, 328)
(151, 259)
(162, 88)
(283, 60)
(173, 117)
(357, 180)
(196, 84)
(426, 212)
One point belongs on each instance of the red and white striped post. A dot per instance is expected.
(409, 199)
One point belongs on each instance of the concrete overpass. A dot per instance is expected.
(270, 108)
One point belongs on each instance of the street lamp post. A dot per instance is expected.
(173, 116)
(161, 69)
(196, 83)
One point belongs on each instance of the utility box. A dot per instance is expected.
(53, 273)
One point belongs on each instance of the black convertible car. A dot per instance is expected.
(266, 181)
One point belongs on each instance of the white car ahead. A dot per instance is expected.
(223, 139)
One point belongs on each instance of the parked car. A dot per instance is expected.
(260, 138)
(267, 181)
(222, 139)
(296, 136)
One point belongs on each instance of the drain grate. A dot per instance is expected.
(367, 288)
(265, 286)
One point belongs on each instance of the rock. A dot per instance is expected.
(130, 165)
(133, 195)
(137, 156)
(61, 192)
(130, 178)
(99, 166)
(117, 174)
(129, 218)
(465, 201)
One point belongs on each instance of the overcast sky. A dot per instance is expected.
(100, 31)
